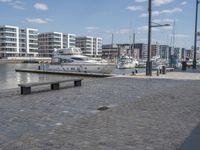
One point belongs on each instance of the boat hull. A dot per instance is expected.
(126, 66)
(87, 68)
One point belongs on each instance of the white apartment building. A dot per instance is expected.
(48, 42)
(89, 45)
(15, 41)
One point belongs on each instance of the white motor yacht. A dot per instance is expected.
(72, 60)
(126, 62)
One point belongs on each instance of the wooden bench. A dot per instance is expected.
(170, 69)
(55, 85)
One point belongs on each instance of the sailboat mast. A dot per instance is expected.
(173, 38)
(133, 45)
(111, 46)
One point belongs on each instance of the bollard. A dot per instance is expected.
(184, 65)
(136, 71)
(158, 72)
(163, 70)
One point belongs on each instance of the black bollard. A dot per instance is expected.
(163, 70)
(136, 71)
(158, 72)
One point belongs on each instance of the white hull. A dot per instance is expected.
(126, 62)
(126, 65)
(72, 60)
(87, 68)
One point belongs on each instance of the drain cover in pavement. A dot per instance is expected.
(103, 108)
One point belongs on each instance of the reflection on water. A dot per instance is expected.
(10, 79)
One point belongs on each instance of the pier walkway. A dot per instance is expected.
(144, 113)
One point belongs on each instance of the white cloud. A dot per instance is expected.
(41, 6)
(169, 20)
(169, 11)
(143, 15)
(163, 20)
(17, 4)
(166, 20)
(142, 28)
(92, 28)
(140, 1)
(154, 13)
(161, 2)
(5, 1)
(166, 11)
(49, 19)
(167, 28)
(36, 21)
(180, 35)
(14, 3)
(184, 3)
(135, 8)
(124, 31)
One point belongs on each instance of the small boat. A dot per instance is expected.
(72, 60)
(126, 62)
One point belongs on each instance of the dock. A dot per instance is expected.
(64, 73)
(131, 113)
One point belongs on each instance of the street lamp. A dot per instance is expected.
(149, 62)
(195, 36)
(159, 25)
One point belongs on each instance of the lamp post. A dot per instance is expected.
(195, 37)
(149, 62)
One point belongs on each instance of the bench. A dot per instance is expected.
(170, 69)
(55, 85)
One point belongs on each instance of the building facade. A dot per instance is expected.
(90, 46)
(15, 41)
(48, 42)
(110, 51)
(143, 49)
(164, 51)
(155, 50)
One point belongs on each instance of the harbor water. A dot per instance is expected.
(10, 79)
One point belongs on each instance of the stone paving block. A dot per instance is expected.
(143, 114)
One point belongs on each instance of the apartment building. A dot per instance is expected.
(142, 50)
(155, 51)
(164, 51)
(90, 46)
(48, 42)
(15, 41)
(110, 51)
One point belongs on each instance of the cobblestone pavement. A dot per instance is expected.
(143, 114)
(190, 74)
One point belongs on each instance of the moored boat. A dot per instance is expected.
(126, 62)
(72, 60)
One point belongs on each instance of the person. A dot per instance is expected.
(136, 71)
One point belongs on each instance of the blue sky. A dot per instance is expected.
(104, 17)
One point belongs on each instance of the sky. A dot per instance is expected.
(102, 18)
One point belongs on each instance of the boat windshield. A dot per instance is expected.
(67, 60)
(125, 59)
(79, 58)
